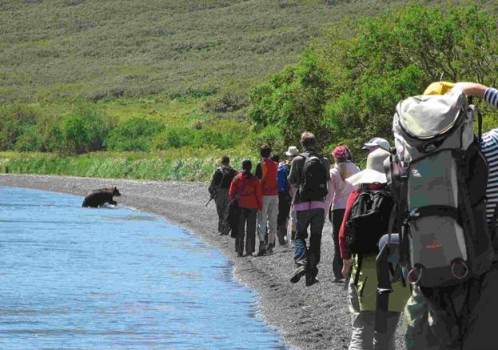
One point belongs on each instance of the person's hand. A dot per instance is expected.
(346, 267)
(471, 89)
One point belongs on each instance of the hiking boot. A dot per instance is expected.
(299, 272)
(311, 281)
(261, 252)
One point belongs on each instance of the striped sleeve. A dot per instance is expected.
(489, 147)
(491, 97)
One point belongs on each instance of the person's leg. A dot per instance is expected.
(262, 221)
(284, 203)
(219, 200)
(251, 231)
(317, 220)
(293, 223)
(362, 323)
(482, 328)
(239, 240)
(300, 249)
(337, 216)
(386, 341)
(272, 220)
(225, 228)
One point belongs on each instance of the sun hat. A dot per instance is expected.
(377, 142)
(292, 151)
(341, 153)
(374, 173)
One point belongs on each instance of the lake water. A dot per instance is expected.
(76, 278)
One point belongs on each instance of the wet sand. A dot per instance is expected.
(313, 317)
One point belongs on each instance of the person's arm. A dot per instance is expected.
(233, 188)
(347, 260)
(295, 171)
(259, 194)
(489, 94)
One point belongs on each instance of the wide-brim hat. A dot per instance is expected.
(377, 142)
(292, 151)
(374, 173)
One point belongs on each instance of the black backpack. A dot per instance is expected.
(228, 175)
(313, 185)
(368, 221)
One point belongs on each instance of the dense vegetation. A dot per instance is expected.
(162, 88)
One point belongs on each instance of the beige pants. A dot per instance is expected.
(267, 217)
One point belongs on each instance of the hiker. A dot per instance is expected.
(218, 189)
(461, 313)
(339, 190)
(284, 194)
(309, 173)
(366, 219)
(266, 171)
(246, 190)
(376, 143)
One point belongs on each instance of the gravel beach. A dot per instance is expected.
(313, 317)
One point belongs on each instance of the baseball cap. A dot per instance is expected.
(377, 142)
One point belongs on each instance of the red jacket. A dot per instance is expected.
(248, 190)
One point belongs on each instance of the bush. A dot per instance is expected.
(174, 138)
(83, 131)
(14, 121)
(135, 134)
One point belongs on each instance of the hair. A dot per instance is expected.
(225, 160)
(247, 166)
(308, 139)
(275, 158)
(265, 151)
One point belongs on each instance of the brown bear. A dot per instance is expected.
(98, 198)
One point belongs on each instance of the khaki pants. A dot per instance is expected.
(363, 334)
(221, 201)
(268, 217)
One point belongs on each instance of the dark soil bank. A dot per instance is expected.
(316, 317)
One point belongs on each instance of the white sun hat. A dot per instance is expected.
(374, 173)
(292, 151)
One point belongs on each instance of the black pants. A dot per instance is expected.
(247, 223)
(303, 255)
(284, 205)
(337, 216)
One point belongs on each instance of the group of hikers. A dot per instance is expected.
(413, 232)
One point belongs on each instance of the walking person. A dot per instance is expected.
(366, 220)
(245, 188)
(284, 194)
(462, 316)
(338, 193)
(218, 189)
(310, 174)
(266, 171)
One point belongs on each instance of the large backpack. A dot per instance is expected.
(313, 186)
(368, 221)
(282, 174)
(439, 176)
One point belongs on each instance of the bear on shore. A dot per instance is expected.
(98, 198)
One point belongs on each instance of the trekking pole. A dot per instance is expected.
(209, 201)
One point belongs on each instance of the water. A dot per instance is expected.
(75, 278)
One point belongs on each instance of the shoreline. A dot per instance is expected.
(313, 317)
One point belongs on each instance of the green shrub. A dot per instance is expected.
(135, 134)
(174, 138)
(14, 121)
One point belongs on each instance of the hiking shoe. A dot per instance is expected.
(262, 252)
(298, 273)
(338, 280)
(311, 280)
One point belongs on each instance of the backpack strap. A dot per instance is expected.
(384, 288)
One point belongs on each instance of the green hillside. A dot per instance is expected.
(160, 88)
(92, 48)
